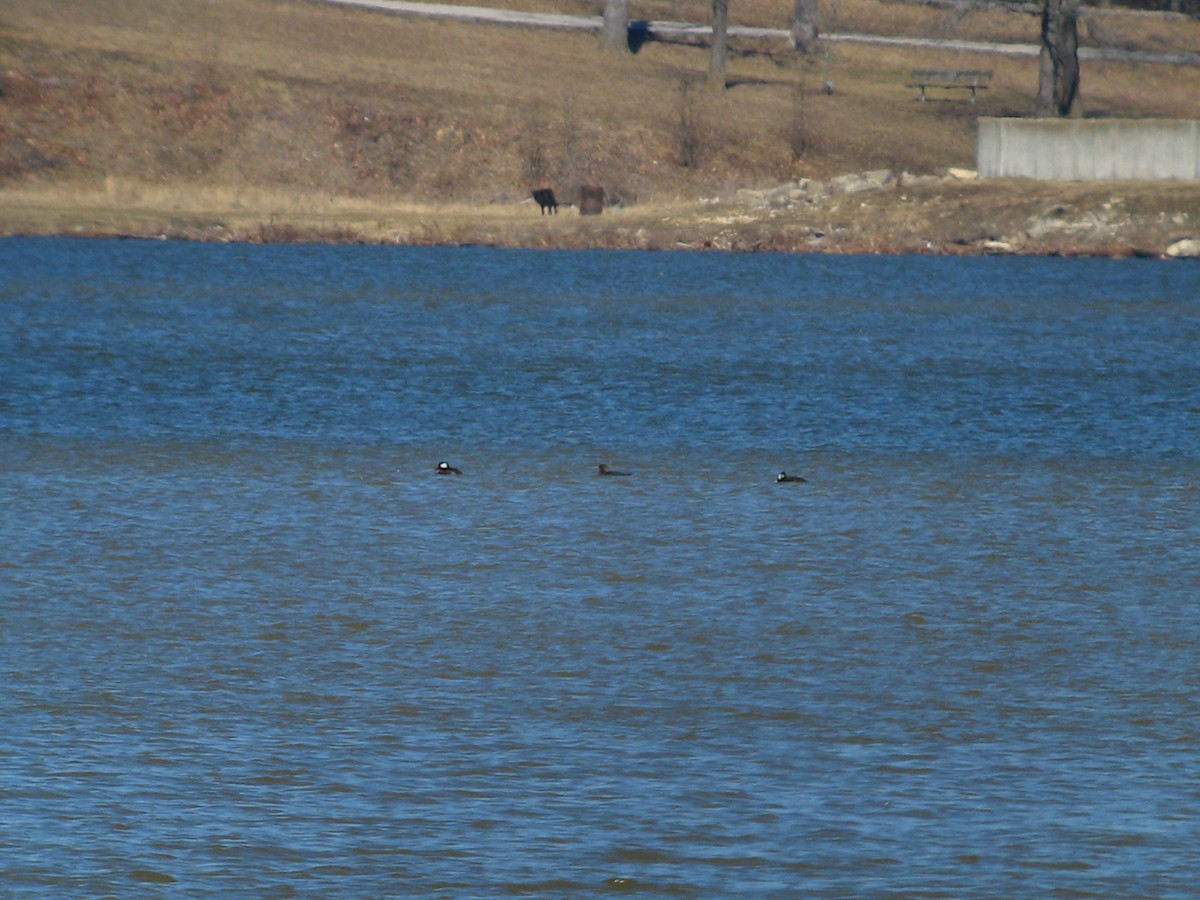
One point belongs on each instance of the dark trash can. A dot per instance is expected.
(591, 200)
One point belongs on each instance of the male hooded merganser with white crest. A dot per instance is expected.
(784, 477)
(605, 470)
(444, 468)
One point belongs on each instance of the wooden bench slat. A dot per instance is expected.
(967, 79)
(952, 75)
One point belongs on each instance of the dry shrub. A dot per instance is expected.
(353, 103)
(688, 126)
(275, 231)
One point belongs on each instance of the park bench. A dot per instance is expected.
(967, 79)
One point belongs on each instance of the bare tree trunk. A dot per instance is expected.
(1058, 73)
(616, 26)
(720, 25)
(804, 26)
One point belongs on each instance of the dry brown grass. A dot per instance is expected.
(227, 114)
(940, 216)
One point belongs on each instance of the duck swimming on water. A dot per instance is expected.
(444, 468)
(784, 477)
(605, 470)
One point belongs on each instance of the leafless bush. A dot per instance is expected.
(687, 132)
(537, 162)
(798, 140)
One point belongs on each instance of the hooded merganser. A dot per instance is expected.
(783, 477)
(444, 468)
(605, 470)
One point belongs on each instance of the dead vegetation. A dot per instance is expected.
(288, 119)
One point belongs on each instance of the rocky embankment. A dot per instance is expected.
(956, 212)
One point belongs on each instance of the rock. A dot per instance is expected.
(909, 179)
(849, 184)
(1186, 248)
(784, 195)
(962, 174)
(862, 181)
(998, 248)
(787, 194)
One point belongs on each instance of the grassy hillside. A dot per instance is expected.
(291, 108)
(347, 102)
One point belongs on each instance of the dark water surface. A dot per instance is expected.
(251, 645)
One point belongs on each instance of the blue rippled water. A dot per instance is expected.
(250, 643)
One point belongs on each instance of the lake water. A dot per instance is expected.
(250, 643)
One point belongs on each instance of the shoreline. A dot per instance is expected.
(879, 212)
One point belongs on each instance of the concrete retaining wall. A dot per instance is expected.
(1089, 149)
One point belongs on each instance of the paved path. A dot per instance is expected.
(687, 31)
